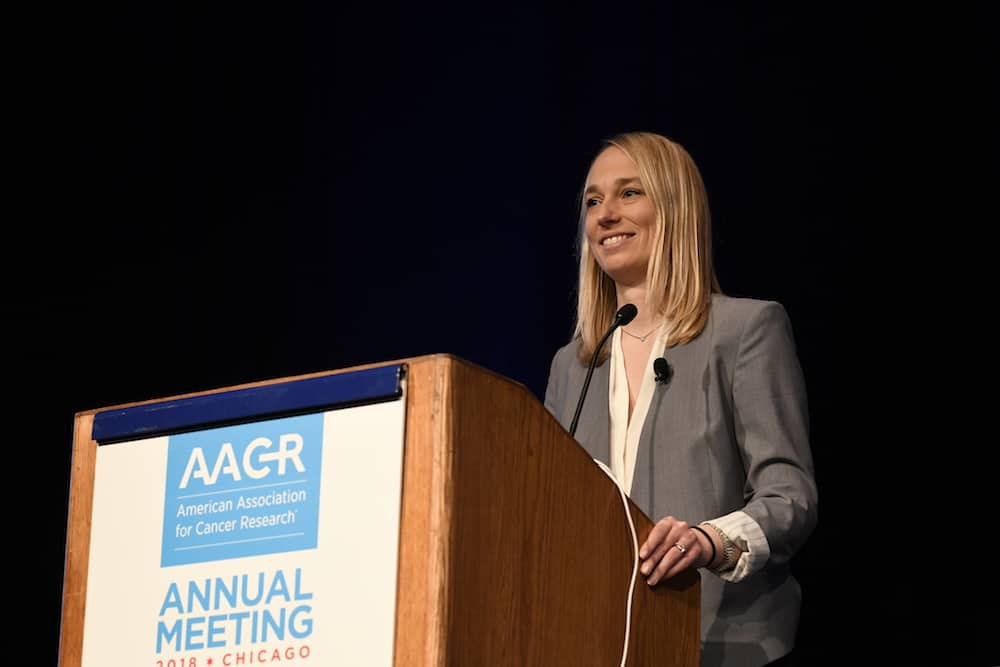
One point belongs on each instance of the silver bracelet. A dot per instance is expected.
(729, 550)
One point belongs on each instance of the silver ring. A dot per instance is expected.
(680, 548)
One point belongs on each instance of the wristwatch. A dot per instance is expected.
(730, 552)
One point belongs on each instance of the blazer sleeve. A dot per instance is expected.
(556, 382)
(772, 428)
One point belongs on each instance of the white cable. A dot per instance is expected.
(635, 559)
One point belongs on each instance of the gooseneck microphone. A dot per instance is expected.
(624, 315)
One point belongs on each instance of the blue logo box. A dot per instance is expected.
(244, 490)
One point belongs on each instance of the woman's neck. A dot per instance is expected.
(646, 318)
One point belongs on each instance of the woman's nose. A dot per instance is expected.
(608, 212)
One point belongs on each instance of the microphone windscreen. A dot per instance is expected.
(626, 314)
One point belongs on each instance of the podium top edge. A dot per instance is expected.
(250, 403)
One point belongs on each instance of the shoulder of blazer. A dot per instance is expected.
(730, 314)
(562, 362)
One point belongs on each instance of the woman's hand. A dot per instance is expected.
(672, 547)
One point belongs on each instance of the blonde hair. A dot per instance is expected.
(680, 278)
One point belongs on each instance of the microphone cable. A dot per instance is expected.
(635, 559)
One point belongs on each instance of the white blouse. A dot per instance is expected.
(625, 433)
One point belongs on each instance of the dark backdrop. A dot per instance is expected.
(224, 193)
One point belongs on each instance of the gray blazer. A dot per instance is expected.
(728, 432)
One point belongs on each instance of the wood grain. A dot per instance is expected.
(542, 554)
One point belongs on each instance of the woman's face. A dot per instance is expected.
(620, 217)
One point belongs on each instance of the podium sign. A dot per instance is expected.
(216, 541)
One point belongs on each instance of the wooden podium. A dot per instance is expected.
(513, 544)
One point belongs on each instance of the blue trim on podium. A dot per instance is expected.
(371, 385)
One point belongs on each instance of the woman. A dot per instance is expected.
(716, 451)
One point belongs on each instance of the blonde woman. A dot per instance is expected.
(712, 440)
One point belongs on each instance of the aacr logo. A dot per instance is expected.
(255, 465)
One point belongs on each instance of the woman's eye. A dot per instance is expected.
(591, 201)
(631, 192)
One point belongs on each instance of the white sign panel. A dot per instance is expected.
(270, 542)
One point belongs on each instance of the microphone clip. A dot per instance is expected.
(662, 370)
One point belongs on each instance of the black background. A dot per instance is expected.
(213, 194)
